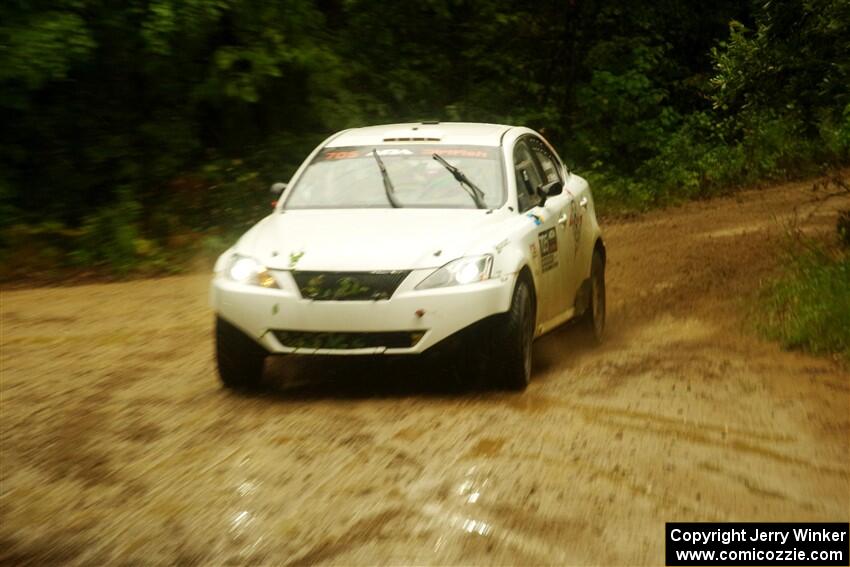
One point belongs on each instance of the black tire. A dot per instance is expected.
(593, 320)
(512, 353)
(240, 359)
(474, 353)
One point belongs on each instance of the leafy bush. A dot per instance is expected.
(705, 156)
(808, 307)
(110, 237)
(174, 117)
(623, 110)
(843, 228)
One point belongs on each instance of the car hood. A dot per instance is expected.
(368, 239)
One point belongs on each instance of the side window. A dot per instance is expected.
(527, 177)
(548, 162)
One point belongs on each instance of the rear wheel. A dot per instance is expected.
(240, 359)
(512, 353)
(593, 319)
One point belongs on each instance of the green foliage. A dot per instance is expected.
(809, 306)
(843, 228)
(110, 236)
(8, 213)
(796, 59)
(159, 124)
(622, 112)
(297, 339)
(42, 47)
(695, 160)
(316, 288)
(836, 135)
(91, 100)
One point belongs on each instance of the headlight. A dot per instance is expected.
(248, 271)
(460, 272)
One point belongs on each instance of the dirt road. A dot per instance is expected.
(118, 445)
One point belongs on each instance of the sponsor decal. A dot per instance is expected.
(458, 152)
(419, 150)
(392, 152)
(548, 240)
(575, 221)
(334, 155)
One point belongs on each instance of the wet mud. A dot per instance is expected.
(119, 446)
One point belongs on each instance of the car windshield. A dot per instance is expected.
(350, 177)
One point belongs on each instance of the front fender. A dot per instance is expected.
(514, 258)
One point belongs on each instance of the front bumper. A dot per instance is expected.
(262, 313)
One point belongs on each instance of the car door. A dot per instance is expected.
(563, 206)
(546, 246)
(583, 234)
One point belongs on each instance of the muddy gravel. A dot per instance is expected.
(119, 445)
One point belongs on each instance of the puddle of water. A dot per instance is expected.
(486, 448)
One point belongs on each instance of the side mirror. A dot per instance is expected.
(550, 190)
(277, 190)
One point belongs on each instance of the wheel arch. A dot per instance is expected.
(599, 246)
(525, 274)
(582, 298)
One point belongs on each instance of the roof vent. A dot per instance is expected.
(412, 135)
(412, 139)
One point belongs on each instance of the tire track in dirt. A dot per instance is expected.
(117, 444)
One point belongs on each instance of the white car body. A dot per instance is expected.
(418, 240)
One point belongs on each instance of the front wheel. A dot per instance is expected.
(240, 359)
(512, 356)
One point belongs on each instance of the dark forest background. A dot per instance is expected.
(137, 134)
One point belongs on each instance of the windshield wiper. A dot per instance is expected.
(474, 192)
(388, 185)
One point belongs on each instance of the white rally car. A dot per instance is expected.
(398, 239)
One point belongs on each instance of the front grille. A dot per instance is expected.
(348, 286)
(348, 340)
